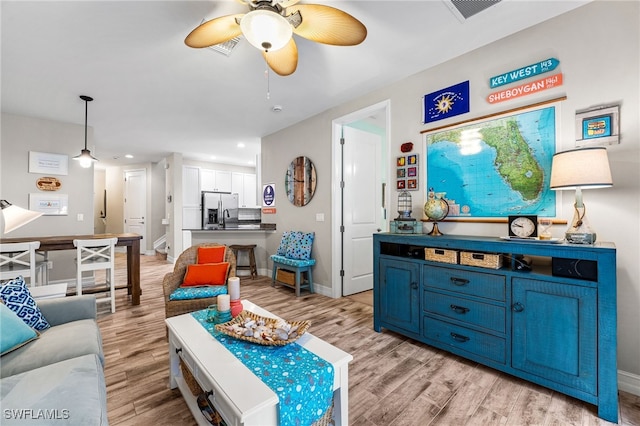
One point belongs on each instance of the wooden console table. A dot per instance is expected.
(65, 242)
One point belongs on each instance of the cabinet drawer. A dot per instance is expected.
(479, 284)
(476, 313)
(474, 342)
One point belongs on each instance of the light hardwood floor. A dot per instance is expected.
(393, 380)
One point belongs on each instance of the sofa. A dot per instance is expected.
(56, 378)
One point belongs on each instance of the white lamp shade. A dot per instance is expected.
(581, 168)
(15, 217)
(266, 30)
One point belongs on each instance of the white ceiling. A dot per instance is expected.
(154, 95)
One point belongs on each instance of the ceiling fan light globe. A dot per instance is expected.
(266, 30)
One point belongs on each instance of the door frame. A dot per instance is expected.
(336, 187)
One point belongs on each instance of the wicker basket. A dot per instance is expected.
(287, 277)
(441, 255)
(484, 260)
(194, 387)
(326, 419)
(223, 328)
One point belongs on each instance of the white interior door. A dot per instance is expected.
(135, 202)
(362, 207)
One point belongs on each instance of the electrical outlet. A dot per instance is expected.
(80, 217)
(319, 217)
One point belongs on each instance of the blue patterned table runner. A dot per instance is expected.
(302, 380)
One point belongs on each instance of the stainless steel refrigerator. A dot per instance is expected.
(219, 209)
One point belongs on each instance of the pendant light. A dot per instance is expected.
(85, 157)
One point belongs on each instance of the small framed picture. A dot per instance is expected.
(412, 171)
(401, 173)
(48, 163)
(412, 184)
(412, 159)
(597, 126)
(401, 184)
(401, 162)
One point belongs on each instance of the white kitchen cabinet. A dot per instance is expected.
(191, 198)
(215, 180)
(245, 185)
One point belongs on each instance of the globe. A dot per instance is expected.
(436, 208)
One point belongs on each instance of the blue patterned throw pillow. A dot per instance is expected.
(300, 244)
(284, 244)
(16, 296)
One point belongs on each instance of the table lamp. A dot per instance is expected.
(583, 168)
(14, 216)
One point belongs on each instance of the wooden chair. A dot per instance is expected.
(94, 255)
(20, 259)
(174, 279)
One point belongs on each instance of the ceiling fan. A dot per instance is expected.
(269, 26)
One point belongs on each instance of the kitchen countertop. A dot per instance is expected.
(239, 228)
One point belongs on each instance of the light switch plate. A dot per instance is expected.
(319, 217)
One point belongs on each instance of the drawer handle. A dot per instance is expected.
(459, 281)
(517, 307)
(459, 337)
(459, 309)
(178, 350)
(414, 285)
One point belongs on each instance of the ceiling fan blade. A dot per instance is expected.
(284, 61)
(215, 31)
(328, 25)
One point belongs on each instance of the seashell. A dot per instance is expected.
(293, 329)
(250, 323)
(281, 334)
(293, 335)
(248, 332)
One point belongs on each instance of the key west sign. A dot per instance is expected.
(524, 72)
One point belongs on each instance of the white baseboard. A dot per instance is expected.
(629, 382)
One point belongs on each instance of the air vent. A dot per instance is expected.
(464, 9)
(227, 47)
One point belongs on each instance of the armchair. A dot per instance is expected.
(174, 279)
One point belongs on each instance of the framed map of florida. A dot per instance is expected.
(495, 167)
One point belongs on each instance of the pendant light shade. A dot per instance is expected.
(14, 217)
(85, 157)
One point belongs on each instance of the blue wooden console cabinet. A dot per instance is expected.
(552, 326)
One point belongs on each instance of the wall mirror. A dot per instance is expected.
(300, 181)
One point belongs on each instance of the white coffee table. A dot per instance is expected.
(241, 397)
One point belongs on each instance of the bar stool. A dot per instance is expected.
(249, 248)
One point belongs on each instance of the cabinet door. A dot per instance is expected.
(555, 332)
(399, 294)
(190, 186)
(223, 181)
(207, 180)
(191, 218)
(250, 190)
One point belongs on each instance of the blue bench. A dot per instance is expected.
(294, 255)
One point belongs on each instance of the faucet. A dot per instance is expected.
(223, 214)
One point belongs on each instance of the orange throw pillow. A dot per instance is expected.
(211, 254)
(209, 274)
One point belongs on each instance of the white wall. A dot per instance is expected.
(598, 48)
(23, 134)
